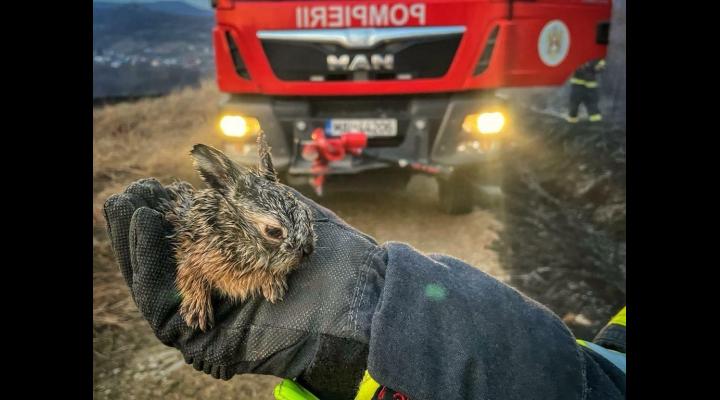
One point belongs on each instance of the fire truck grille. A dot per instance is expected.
(405, 59)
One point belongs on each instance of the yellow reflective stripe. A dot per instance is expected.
(595, 117)
(619, 318)
(290, 390)
(588, 84)
(368, 387)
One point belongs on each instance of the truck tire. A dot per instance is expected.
(456, 193)
(489, 183)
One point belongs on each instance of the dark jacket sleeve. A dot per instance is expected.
(446, 330)
(587, 71)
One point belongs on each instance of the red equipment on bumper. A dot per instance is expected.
(323, 150)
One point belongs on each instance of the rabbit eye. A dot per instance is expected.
(274, 232)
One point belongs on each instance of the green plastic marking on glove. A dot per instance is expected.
(436, 292)
(290, 390)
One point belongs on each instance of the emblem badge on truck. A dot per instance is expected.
(554, 43)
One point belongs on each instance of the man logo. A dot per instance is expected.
(360, 62)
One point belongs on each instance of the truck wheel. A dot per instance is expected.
(456, 193)
(489, 183)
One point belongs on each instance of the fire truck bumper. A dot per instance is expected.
(443, 130)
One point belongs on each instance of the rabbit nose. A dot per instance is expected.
(308, 249)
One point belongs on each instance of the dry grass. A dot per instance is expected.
(132, 141)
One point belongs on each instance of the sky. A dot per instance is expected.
(204, 4)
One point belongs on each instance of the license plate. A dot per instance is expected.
(373, 127)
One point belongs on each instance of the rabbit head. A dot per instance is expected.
(241, 237)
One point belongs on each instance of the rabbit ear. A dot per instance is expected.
(215, 168)
(266, 165)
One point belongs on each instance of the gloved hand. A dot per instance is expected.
(319, 333)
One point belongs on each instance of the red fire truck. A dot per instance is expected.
(390, 87)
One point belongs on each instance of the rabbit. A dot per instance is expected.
(240, 237)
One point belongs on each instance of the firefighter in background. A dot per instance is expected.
(584, 90)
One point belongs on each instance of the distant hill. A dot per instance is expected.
(149, 48)
(102, 6)
(151, 23)
(168, 7)
(178, 8)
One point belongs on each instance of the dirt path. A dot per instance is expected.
(413, 217)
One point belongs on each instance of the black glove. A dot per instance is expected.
(319, 333)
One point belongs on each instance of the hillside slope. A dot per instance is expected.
(564, 216)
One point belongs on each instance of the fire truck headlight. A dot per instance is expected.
(236, 126)
(487, 123)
